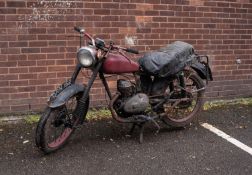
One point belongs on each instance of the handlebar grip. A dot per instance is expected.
(132, 51)
(79, 29)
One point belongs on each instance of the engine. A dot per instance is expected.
(130, 102)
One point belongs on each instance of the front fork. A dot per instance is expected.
(76, 73)
(84, 99)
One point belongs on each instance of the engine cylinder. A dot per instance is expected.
(125, 87)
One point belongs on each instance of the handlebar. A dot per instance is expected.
(131, 50)
(82, 34)
(101, 43)
(79, 29)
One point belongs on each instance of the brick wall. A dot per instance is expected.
(35, 55)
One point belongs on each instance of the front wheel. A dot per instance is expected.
(56, 125)
(185, 102)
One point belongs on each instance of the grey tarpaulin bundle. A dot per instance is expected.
(168, 60)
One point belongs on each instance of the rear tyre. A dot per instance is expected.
(56, 125)
(182, 113)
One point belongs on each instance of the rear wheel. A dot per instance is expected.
(186, 102)
(57, 125)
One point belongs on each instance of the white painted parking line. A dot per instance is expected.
(228, 138)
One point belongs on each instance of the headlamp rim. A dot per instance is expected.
(92, 55)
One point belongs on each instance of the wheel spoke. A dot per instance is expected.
(183, 110)
(58, 129)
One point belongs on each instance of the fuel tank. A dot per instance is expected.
(116, 64)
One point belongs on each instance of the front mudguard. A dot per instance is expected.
(64, 93)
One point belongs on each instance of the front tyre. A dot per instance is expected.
(56, 125)
(183, 111)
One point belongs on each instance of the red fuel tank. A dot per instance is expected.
(116, 64)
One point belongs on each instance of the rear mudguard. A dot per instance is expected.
(60, 96)
(203, 70)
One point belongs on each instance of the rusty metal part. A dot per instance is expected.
(113, 112)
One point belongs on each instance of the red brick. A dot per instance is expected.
(101, 11)
(3, 44)
(8, 64)
(112, 5)
(15, 4)
(4, 96)
(24, 11)
(128, 30)
(7, 11)
(27, 37)
(36, 57)
(26, 89)
(57, 43)
(5, 109)
(56, 68)
(19, 83)
(4, 83)
(37, 69)
(167, 13)
(106, 24)
(110, 30)
(19, 95)
(92, 5)
(63, 74)
(46, 75)
(64, 24)
(18, 44)
(26, 63)
(47, 37)
(45, 62)
(45, 88)
(127, 6)
(118, 12)
(136, 12)
(38, 94)
(38, 82)
(10, 50)
(4, 70)
(110, 18)
(159, 19)
(27, 76)
(55, 30)
(19, 108)
(143, 19)
(38, 44)
(18, 70)
(56, 81)
(153, 1)
(30, 50)
(196, 2)
(55, 56)
(2, 4)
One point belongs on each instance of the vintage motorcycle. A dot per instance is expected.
(167, 86)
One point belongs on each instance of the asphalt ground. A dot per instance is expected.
(102, 147)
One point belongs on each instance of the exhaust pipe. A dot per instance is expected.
(113, 112)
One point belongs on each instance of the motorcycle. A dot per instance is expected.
(168, 86)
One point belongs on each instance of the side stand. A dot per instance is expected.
(141, 127)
